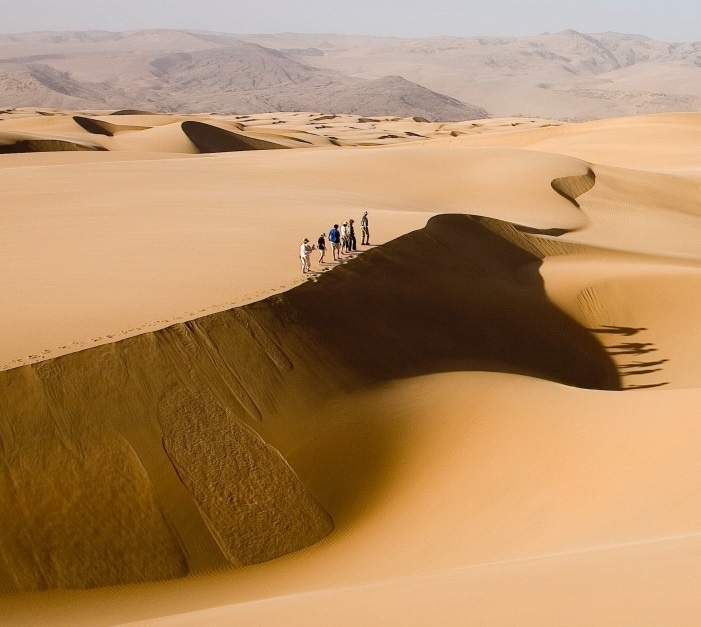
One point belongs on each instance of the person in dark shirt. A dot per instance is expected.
(321, 245)
(352, 242)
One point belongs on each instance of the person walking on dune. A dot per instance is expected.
(344, 238)
(335, 239)
(352, 242)
(365, 230)
(321, 245)
(304, 251)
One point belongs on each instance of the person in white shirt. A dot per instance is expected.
(304, 251)
(344, 238)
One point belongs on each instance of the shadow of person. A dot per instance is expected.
(618, 330)
(632, 348)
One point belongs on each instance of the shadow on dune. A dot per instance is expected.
(44, 145)
(571, 187)
(99, 127)
(133, 112)
(452, 296)
(141, 460)
(209, 138)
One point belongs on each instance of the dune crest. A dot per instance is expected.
(572, 187)
(496, 399)
(210, 138)
(184, 401)
(100, 127)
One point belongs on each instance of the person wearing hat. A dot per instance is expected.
(365, 230)
(304, 251)
(344, 238)
(321, 245)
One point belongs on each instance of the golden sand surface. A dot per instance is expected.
(488, 416)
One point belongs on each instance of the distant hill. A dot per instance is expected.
(173, 71)
(566, 75)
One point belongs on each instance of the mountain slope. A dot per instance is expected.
(567, 75)
(182, 72)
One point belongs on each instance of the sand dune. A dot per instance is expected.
(488, 416)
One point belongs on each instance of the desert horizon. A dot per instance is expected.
(567, 75)
(487, 414)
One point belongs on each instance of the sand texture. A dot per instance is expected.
(489, 415)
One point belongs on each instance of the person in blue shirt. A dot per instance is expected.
(335, 239)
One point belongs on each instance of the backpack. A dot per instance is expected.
(333, 236)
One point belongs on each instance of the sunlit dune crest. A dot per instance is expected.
(497, 398)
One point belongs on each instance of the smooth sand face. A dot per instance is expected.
(484, 422)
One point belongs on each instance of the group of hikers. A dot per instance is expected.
(342, 240)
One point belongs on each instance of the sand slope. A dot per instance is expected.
(491, 417)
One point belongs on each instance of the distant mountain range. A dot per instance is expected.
(566, 75)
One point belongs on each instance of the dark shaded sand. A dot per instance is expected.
(209, 138)
(132, 112)
(453, 296)
(139, 460)
(44, 145)
(100, 127)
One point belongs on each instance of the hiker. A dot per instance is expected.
(352, 242)
(321, 245)
(365, 230)
(304, 251)
(335, 239)
(344, 237)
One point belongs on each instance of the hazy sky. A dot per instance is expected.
(668, 20)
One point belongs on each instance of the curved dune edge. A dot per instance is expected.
(44, 145)
(571, 187)
(132, 112)
(100, 127)
(209, 138)
(186, 402)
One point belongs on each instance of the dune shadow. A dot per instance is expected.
(209, 138)
(45, 145)
(452, 296)
(164, 441)
(100, 127)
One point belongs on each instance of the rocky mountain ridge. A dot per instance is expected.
(566, 75)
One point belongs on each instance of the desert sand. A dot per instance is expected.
(488, 416)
